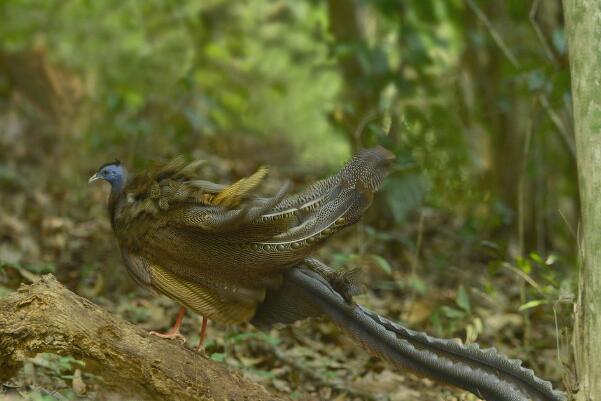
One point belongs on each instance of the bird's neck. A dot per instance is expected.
(117, 187)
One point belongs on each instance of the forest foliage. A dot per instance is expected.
(474, 231)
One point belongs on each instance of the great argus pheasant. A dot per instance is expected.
(233, 256)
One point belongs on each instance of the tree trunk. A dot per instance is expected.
(346, 30)
(584, 39)
(47, 317)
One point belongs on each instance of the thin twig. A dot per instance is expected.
(368, 117)
(524, 276)
(561, 128)
(567, 223)
(539, 32)
(418, 243)
(522, 187)
(493, 33)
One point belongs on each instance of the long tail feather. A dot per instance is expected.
(483, 372)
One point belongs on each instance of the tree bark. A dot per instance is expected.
(584, 38)
(47, 317)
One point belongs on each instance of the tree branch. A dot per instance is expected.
(47, 317)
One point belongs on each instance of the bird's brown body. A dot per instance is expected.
(218, 249)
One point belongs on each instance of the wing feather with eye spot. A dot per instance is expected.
(217, 249)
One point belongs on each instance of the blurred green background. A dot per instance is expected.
(475, 229)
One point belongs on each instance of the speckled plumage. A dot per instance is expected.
(217, 249)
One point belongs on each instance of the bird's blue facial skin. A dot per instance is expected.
(112, 173)
(115, 174)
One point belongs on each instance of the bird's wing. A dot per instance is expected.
(177, 184)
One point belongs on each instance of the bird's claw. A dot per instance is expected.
(170, 335)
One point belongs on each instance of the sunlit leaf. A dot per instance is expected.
(537, 258)
(532, 304)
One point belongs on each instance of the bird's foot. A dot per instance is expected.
(174, 330)
(170, 335)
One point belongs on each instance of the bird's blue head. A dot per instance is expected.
(114, 172)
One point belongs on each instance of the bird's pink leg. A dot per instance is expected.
(203, 333)
(173, 331)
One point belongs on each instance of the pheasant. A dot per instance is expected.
(233, 256)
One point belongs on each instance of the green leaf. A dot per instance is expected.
(42, 267)
(463, 300)
(4, 291)
(241, 337)
(218, 356)
(536, 257)
(533, 304)
(405, 193)
(269, 339)
(340, 259)
(452, 313)
(550, 260)
(524, 265)
(418, 284)
(382, 263)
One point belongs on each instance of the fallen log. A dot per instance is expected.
(47, 317)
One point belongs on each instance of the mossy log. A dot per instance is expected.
(47, 317)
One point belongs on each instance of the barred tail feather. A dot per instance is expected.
(483, 372)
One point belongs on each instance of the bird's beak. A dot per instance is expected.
(93, 178)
